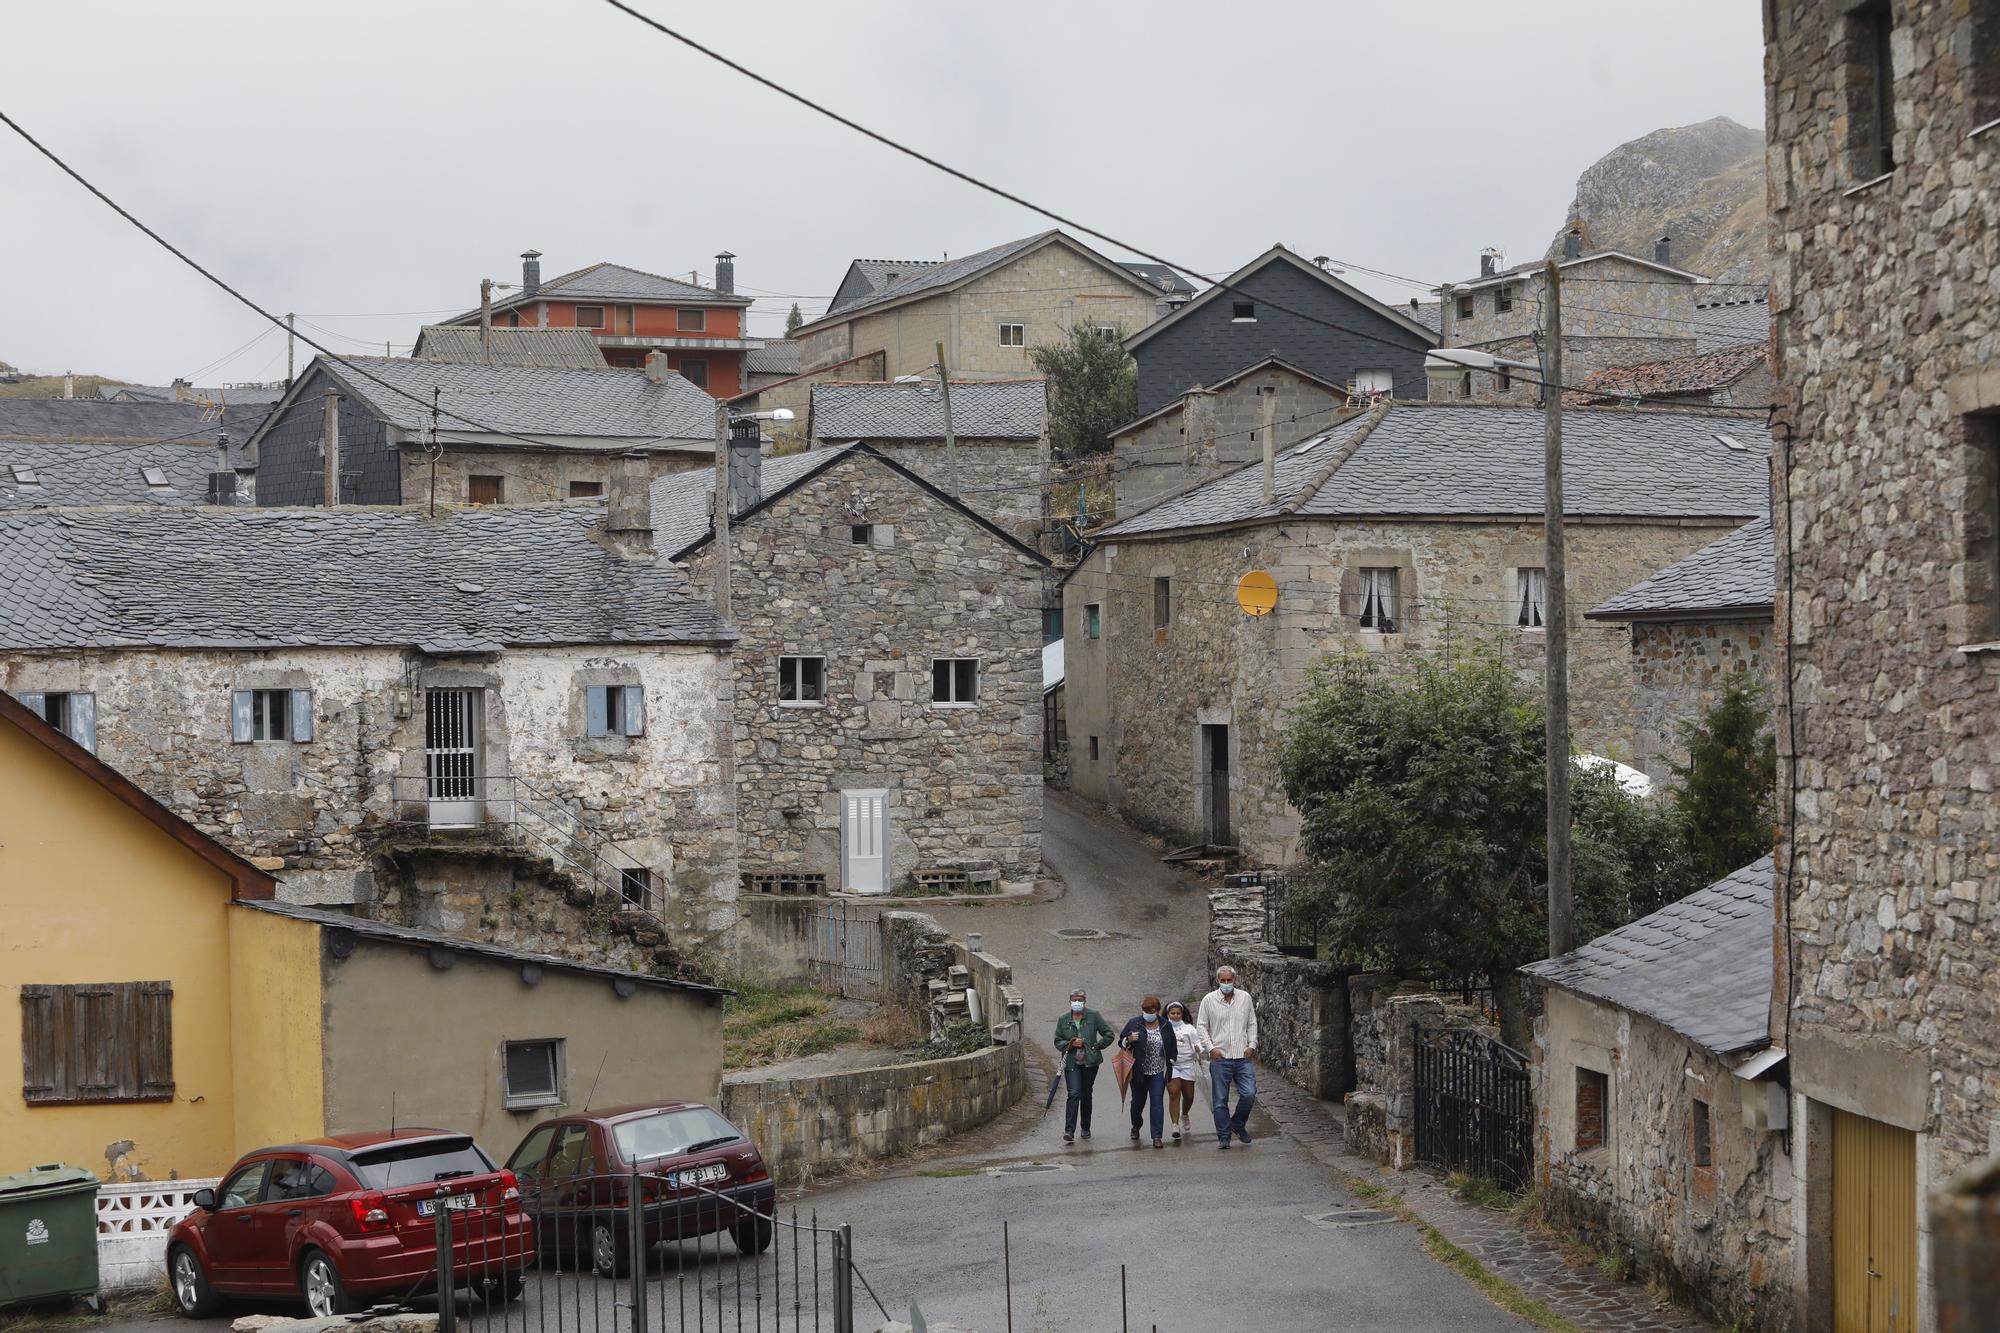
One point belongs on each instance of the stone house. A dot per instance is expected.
(1214, 428)
(777, 359)
(888, 681)
(988, 309)
(999, 459)
(512, 434)
(1884, 182)
(1660, 1120)
(1693, 625)
(1737, 376)
(1280, 305)
(794, 394)
(1391, 532)
(494, 722)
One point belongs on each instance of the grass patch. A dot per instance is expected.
(763, 1025)
(951, 1173)
(1481, 1191)
(893, 1025)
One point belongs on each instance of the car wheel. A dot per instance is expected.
(752, 1234)
(320, 1281)
(608, 1254)
(193, 1296)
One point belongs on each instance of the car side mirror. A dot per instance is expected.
(204, 1199)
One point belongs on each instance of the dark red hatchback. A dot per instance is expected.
(698, 1174)
(348, 1220)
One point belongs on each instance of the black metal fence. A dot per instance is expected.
(1475, 1105)
(1293, 923)
(644, 1253)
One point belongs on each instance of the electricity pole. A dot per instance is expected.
(291, 333)
(1555, 620)
(722, 509)
(486, 321)
(330, 485)
(950, 435)
(1270, 397)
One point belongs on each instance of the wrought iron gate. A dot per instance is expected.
(1475, 1105)
(844, 948)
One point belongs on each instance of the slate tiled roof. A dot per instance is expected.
(780, 356)
(980, 410)
(151, 393)
(468, 580)
(102, 474)
(1430, 314)
(614, 282)
(534, 400)
(935, 277)
(1441, 459)
(1700, 967)
(684, 502)
(1733, 576)
(1680, 375)
(1730, 324)
(1168, 281)
(96, 421)
(575, 349)
(879, 273)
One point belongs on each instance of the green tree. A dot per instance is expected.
(794, 320)
(1728, 790)
(1093, 389)
(1425, 820)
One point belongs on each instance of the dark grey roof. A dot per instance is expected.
(1440, 459)
(575, 349)
(151, 393)
(468, 580)
(1731, 576)
(95, 421)
(102, 474)
(913, 410)
(879, 273)
(1168, 281)
(1700, 967)
(533, 400)
(684, 502)
(780, 356)
(1430, 314)
(934, 277)
(613, 282)
(431, 939)
(1731, 324)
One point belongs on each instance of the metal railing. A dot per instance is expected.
(644, 1253)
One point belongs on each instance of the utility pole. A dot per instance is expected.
(1555, 620)
(486, 321)
(1270, 398)
(722, 509)
(291, 334)
(950, 435)
(331, 487)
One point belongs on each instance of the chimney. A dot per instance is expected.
(1489, 260)
(69, 385)
(657, 369)
(628, 521)
(725, 273)
(1663, 251)
(531, 272)
(1573, 243)
(746, 465)
(183, 391)
(222, 481)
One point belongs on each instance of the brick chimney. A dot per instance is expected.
(1663, 251)
(746, 465)
(628, 519)
(725, 273)
(531, 272)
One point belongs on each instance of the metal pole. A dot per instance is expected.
(291, 333)
(635, 1236)
(446, 1282)
(843, 1279)
(1007, 1270)
(1555, 621)
(950, 434)
(722, 510)
(1124, 1315)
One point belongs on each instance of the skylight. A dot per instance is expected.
(156, 477)
(24, 476)
(1732, 442)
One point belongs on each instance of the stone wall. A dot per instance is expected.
(527, 476)
(964, 784)
(1582, 357)
(1214, 431)
(1302, 1029)
(1382, 1110)
(1679, 669)
(1606, 298)
(1002, 481)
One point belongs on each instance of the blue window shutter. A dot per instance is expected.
(635, 710)
(302, 715)
(83, 720)
(239, 714)
(34, 702)
(596, 707)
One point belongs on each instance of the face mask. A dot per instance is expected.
(1151, 1018)
(1228, 988)
(1076, 1006)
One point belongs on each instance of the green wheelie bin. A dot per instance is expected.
(48, 1235)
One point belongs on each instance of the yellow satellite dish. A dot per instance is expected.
(1257, 593)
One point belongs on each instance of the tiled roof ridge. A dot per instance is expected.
(644, 273)
(1375, 417)
(1645, 409)
(916, 383)
(496, 365)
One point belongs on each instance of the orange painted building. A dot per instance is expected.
(633, 313)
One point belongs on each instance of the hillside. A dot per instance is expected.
(1701, 184)
(51, 386)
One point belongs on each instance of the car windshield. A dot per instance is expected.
(670, 1133)
(394, 1165)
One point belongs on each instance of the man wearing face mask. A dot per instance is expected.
(1081, 1036)
(1227, 1023)
(1151, 1043)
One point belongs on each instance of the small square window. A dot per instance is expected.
(1871, 91)
(482, 489)
(1465, 307)
(1593, 1091)
(1163, 603)
(861, 534)
(531, 1073)
(1531, 593)
(693, 369)
(1703, 1146)
(1378, 600)
(635, 886)
(584, 490)
(1503, 299)
(802, 682)
(614, 710)
(590, 316)
(1243, 312)
(1093, 750)
(1093, 623)
(1013, 335)
(73, 713)
(955, 681)
(691, 321)
(1506, 378)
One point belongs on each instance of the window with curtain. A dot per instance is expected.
(1533, 596)
(1378, 600)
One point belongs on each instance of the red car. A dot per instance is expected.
(699, 1174)
(350, 1220)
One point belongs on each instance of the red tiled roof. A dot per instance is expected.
(1655, 379)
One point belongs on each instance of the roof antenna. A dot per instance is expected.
(392, 1113)
(593, 1079)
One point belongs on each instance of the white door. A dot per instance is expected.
(451, 756)
(864, 841)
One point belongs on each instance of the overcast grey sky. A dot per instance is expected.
(379, 156)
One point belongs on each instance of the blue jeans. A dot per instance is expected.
(1077, 1082)
(1241, 1073)
(1153, 1087)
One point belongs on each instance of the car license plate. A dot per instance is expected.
(457, 1203)
(698, 1175)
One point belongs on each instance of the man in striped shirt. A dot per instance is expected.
(1227, 1022)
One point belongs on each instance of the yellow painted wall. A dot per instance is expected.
(91, 891)
(276, 1006)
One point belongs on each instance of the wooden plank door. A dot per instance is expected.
(1874, 1226)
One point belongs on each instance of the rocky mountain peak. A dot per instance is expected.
(1702, 185)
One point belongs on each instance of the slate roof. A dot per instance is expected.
(1731, 577)
(779, 356)
(1443, 459)
(1700, 967)
(935, 276)
(97, 421)
(1729, 323)
(1679, 375)
(1430, 314)
(604, 281)
(684, 502)
(102, 474)
(980, 410)
(430, 939)
(152, 393)
(1400, 315)
(470, 580)
(1168, 281)
(575, 349)
(532, 400)
(876, 272)
(1588, 257)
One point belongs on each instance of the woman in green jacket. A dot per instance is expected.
(1081, 1036)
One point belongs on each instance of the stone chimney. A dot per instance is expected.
(1663, 251)
(746, 465)
(1489, 262)
(657, 369)
(725, 273)
(1573, 243)
(628, 520)
(183, 391)
(69, 386)
(531, 272)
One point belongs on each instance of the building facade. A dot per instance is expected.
(1884, 181)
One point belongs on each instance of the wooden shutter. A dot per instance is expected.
(302, 715)
(596, 710)
(34, 702)
(1406, 596)
(239, 715)
(44, 1043)
(83, 720)
(98, 1046)
(1350, 596)
(634, 714)
(153, 1039)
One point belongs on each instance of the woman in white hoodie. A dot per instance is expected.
(1189, 1052)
